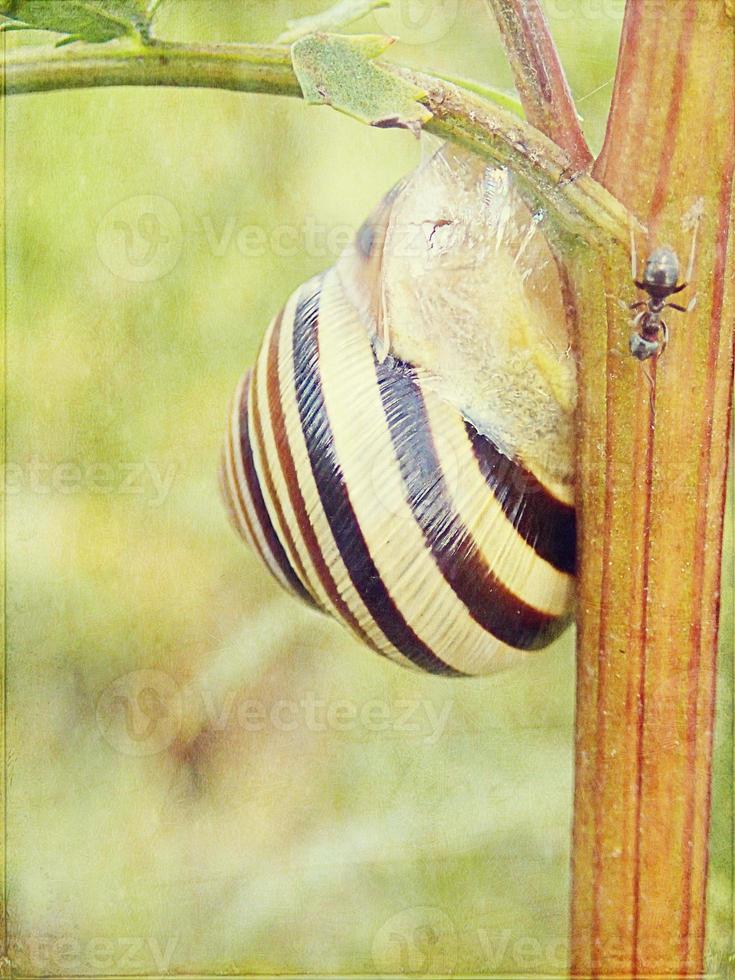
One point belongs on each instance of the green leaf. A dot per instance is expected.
(341, 14)
(95, 21)
(339, 70)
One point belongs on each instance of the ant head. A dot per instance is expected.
(661, 273)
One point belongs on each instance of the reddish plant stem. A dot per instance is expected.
(652, 519)
(539, 76)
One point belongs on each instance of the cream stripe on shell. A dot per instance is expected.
(427, 601)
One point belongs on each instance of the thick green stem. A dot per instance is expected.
(652, 463)
(581, 206)
(236, 67)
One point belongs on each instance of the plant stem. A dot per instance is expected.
(649, 580)
(539, 76)
(652, 464)
(581, 205)
(237, 67)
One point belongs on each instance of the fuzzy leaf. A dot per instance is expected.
(341, 14)
(95, 21)
(339, 70)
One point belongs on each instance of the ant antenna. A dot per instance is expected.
(633, 255)
(692, 220)
(693, 250)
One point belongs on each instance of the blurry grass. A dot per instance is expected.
(245, 849)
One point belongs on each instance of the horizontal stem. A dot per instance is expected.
(235, 67)
(581, 205)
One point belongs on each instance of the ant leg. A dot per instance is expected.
(637, 306)
(683, 309)
(665, 338)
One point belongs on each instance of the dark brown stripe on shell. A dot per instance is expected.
(332, 489)
(226, 492)
(294, 490)
(295, 577)
(241, 510)
(548, 525)
(491, 604)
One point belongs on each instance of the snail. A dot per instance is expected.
(400, 454)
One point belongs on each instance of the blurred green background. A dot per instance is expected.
(203, 775)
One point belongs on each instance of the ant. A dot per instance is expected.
(660, 280)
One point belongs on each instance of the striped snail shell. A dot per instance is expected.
(400, 455)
